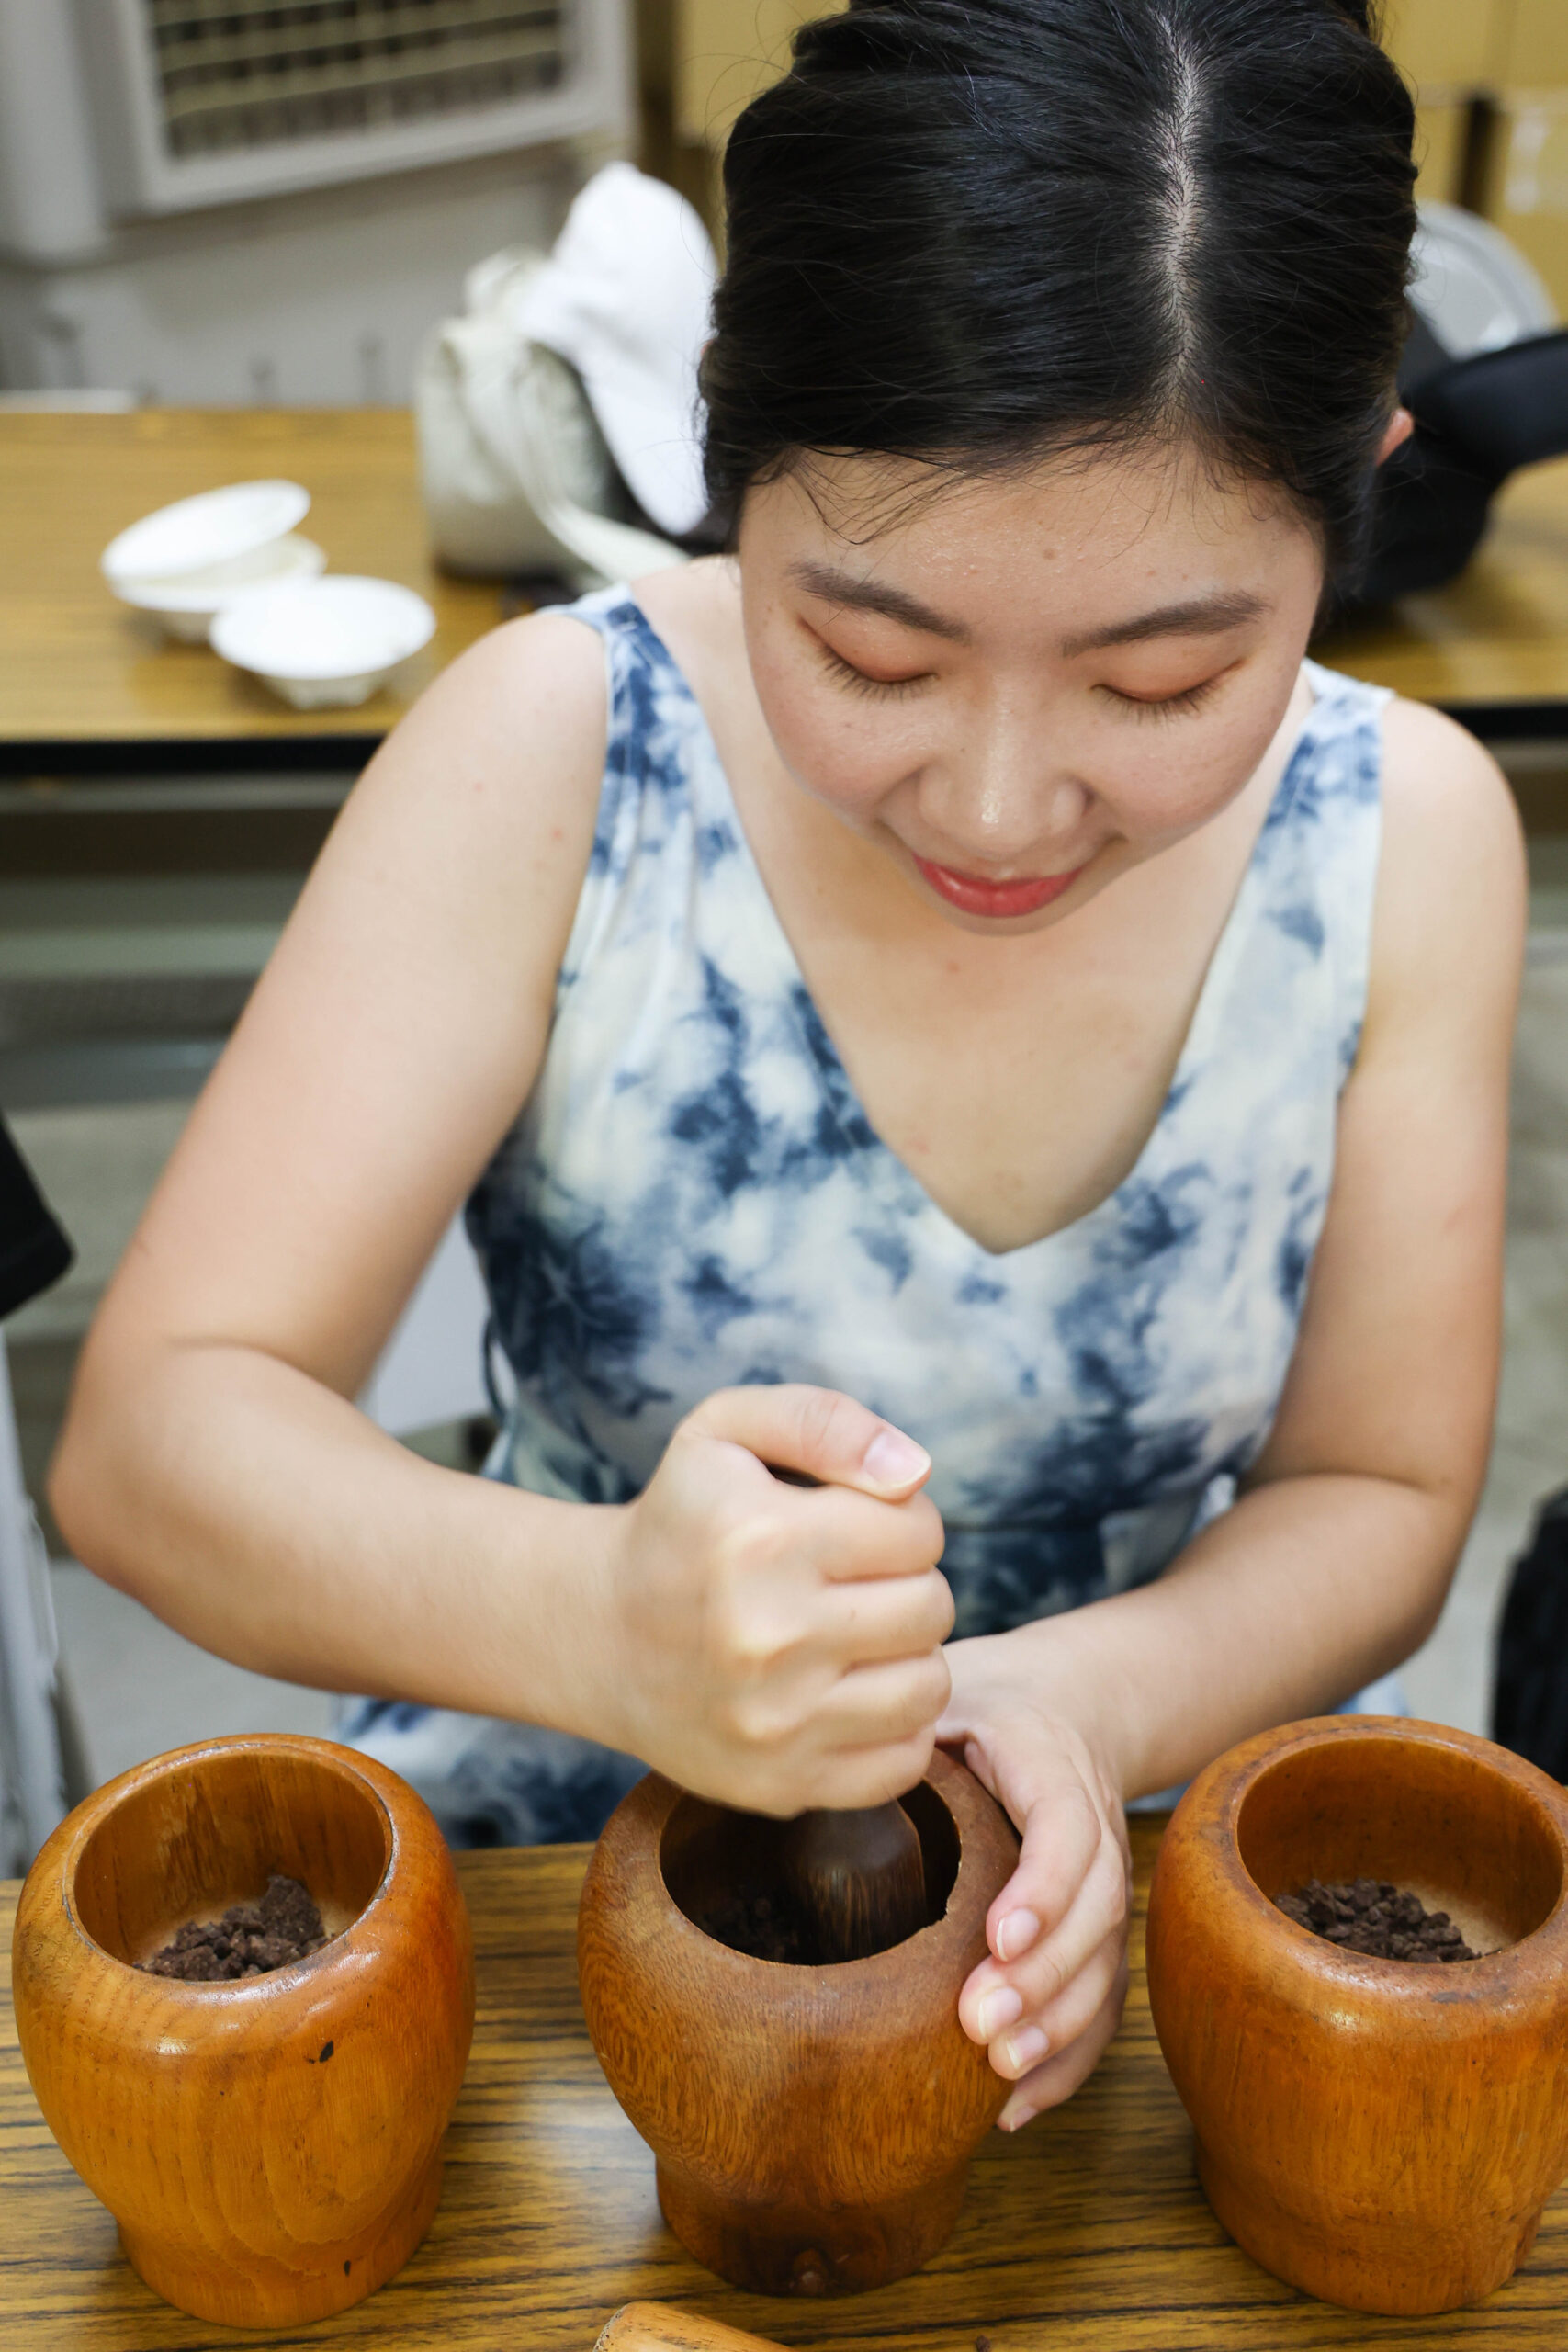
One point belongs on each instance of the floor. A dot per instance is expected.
(139, 1688)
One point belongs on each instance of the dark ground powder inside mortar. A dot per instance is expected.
(764, 1927)
(1372, 1916)
(251, 1939)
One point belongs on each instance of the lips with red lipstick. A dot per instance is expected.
(975, 895)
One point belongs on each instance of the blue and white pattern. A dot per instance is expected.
(692, 1198)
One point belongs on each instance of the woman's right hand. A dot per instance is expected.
(770, 1645)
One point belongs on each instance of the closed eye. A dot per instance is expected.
(1166, 705)
(861, 682)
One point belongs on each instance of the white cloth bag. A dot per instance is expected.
(515, 399)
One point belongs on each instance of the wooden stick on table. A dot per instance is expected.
(656, 2327)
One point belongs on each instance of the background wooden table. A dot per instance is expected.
(1087, 2232)
(77, 668)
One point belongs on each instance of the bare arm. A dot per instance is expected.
(213, 1464)
(1334, 1564)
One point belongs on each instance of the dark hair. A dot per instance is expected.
(969, 231)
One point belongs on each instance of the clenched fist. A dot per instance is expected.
(770, 1645)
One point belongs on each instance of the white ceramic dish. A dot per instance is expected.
(324, 641)
(189, 604)
(196, 535)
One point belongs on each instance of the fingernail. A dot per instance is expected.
(999, 2010)
(894, 1460)
(1013, 2118)
(1025, 2049)
(1016, 1933)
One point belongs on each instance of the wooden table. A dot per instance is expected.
(80, 676)
(82, 682)
(1087, 2232)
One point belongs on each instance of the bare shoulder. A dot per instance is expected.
(483, 800)
(527, 703)
(1444, 795)
(446, 893)
(1451, 888)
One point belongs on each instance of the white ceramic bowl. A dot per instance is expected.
(199, 535)
(324, 641)
(187, 604)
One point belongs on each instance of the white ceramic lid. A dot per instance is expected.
(337, 628)
(206, 592)
(198, 532)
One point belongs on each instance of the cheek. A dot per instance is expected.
(848, 754)
(1176, 776)
(1170, 792)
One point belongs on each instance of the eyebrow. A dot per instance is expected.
(1199, 616)
(837, 587)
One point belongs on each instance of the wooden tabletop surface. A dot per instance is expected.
(1087, 2232)
(77, 668)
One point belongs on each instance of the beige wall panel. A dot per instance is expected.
(726, 51)
(1449, 43)
(1528, 197)
(1535, 46)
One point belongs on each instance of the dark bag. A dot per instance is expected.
(1477, 421)
(1529, 1701)
(33, 1250)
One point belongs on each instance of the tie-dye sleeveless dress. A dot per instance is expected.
(692, 1197)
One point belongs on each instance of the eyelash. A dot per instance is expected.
(1172, 707)
(858, 681)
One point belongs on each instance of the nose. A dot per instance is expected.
(1000, 797)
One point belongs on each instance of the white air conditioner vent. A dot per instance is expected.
(245, 76)
(204, 102)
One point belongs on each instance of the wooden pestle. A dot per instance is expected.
(857, 1877)
(655, 2327)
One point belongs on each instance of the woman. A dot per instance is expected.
(946, 1000)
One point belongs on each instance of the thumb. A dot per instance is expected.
(819, 1433)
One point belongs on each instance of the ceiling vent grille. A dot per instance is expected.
(204, 101)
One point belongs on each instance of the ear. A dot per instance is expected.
(1399, 427)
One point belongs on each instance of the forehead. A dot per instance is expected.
(1060, 543)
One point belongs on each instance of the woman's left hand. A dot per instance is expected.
(1049, 1997)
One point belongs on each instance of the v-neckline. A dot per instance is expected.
(850, 1110)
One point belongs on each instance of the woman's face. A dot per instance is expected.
(1021, 685)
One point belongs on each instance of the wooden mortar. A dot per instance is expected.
(270, 2148)
(1380, 2132)
(812, 2126)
